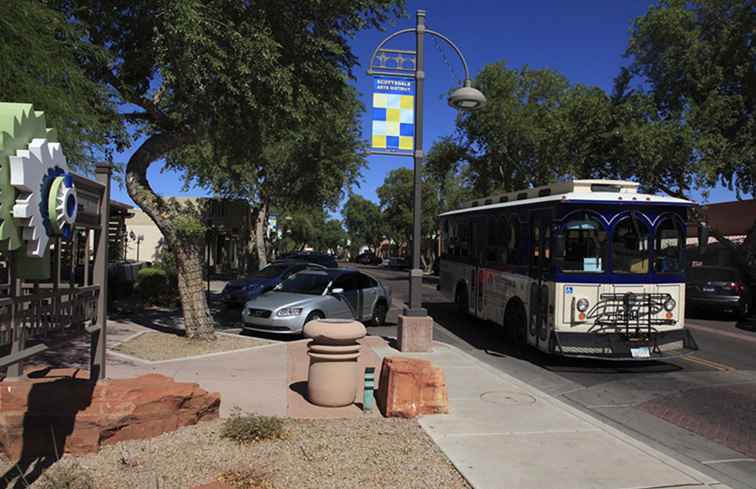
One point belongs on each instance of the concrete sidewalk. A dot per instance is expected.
(502, 433)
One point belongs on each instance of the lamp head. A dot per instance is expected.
(467, 98)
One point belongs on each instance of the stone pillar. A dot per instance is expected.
(415, 333)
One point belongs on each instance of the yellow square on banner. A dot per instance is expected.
(408, 102)
(379, 142)
(392, 115)
(405, 142)
(380, 100)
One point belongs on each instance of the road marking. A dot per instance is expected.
(709, 363)
(729, 334)
(727, 461)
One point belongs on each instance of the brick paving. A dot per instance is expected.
(725, 414)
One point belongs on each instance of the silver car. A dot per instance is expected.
(318, 294)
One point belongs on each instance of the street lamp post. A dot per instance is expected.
(465, 98)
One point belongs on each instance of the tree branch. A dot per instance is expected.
(129, 96)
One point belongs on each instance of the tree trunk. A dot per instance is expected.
(198, 322)
(260, 221)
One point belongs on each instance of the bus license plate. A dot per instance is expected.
(640, 352)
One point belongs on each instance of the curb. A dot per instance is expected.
(126, 356)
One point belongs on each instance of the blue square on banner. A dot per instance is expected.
(406, 129)
(392, 141)
(379, 114)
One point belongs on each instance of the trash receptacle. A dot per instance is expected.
(333, 375)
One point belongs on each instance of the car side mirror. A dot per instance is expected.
(338, 290)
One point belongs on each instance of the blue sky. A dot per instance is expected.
(584, 40)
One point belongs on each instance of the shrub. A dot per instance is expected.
(248, 428)
(151, 283)
(67, 476)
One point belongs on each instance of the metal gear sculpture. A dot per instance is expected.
(37, 195)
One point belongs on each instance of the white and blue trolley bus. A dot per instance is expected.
(585, 268)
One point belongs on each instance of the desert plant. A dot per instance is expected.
(248, 428)
(66, 476)
(151, 283)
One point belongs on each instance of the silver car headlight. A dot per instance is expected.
(582, 305)
(669, 305)
(289, 312)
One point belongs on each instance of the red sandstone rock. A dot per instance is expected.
(410, 387)
(62, 407)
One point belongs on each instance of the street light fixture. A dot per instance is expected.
(465, 98)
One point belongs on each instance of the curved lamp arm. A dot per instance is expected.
(427, 31)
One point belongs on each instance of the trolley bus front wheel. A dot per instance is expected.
(516, 322)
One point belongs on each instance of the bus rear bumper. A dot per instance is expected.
(617, 346)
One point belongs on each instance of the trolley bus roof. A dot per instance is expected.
(588, 191)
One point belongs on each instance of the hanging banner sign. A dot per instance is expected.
(393, 114)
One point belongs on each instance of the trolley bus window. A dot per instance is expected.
(498, 241)
(630, 245)
(584, 244)
(668, 247)
(514, 240)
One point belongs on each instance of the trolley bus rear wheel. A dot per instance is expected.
(516, 322)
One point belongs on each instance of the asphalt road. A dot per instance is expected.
(700, 409)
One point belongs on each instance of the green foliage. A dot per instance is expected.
(151, 283)
(396, 197)
(40, 55)
(694, 68)
(309, 226)
(364, 222)
(249, 428)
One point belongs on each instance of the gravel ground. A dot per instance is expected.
(354, 453)
(165, 346)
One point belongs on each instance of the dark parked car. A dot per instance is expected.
(324, 259)
(368, 258)
(718, 289)
(240, 291)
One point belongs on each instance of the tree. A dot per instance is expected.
(693, 66)
(217, 74)
(396, 206)
(364, 222)
(514, 141)
(308, 164)
(40, 57)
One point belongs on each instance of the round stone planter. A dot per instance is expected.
(333, 376)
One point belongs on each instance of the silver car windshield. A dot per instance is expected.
(305, 283)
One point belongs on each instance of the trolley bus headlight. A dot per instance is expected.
(669, 305)
(582, 305)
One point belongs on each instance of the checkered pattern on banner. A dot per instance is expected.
(394, 117)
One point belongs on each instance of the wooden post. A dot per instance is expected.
(99, 336)
(17, 327)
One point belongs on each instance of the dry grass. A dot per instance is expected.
(154, 346)
(347, 453)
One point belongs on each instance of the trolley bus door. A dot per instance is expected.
(477, 250)
(540, 264)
